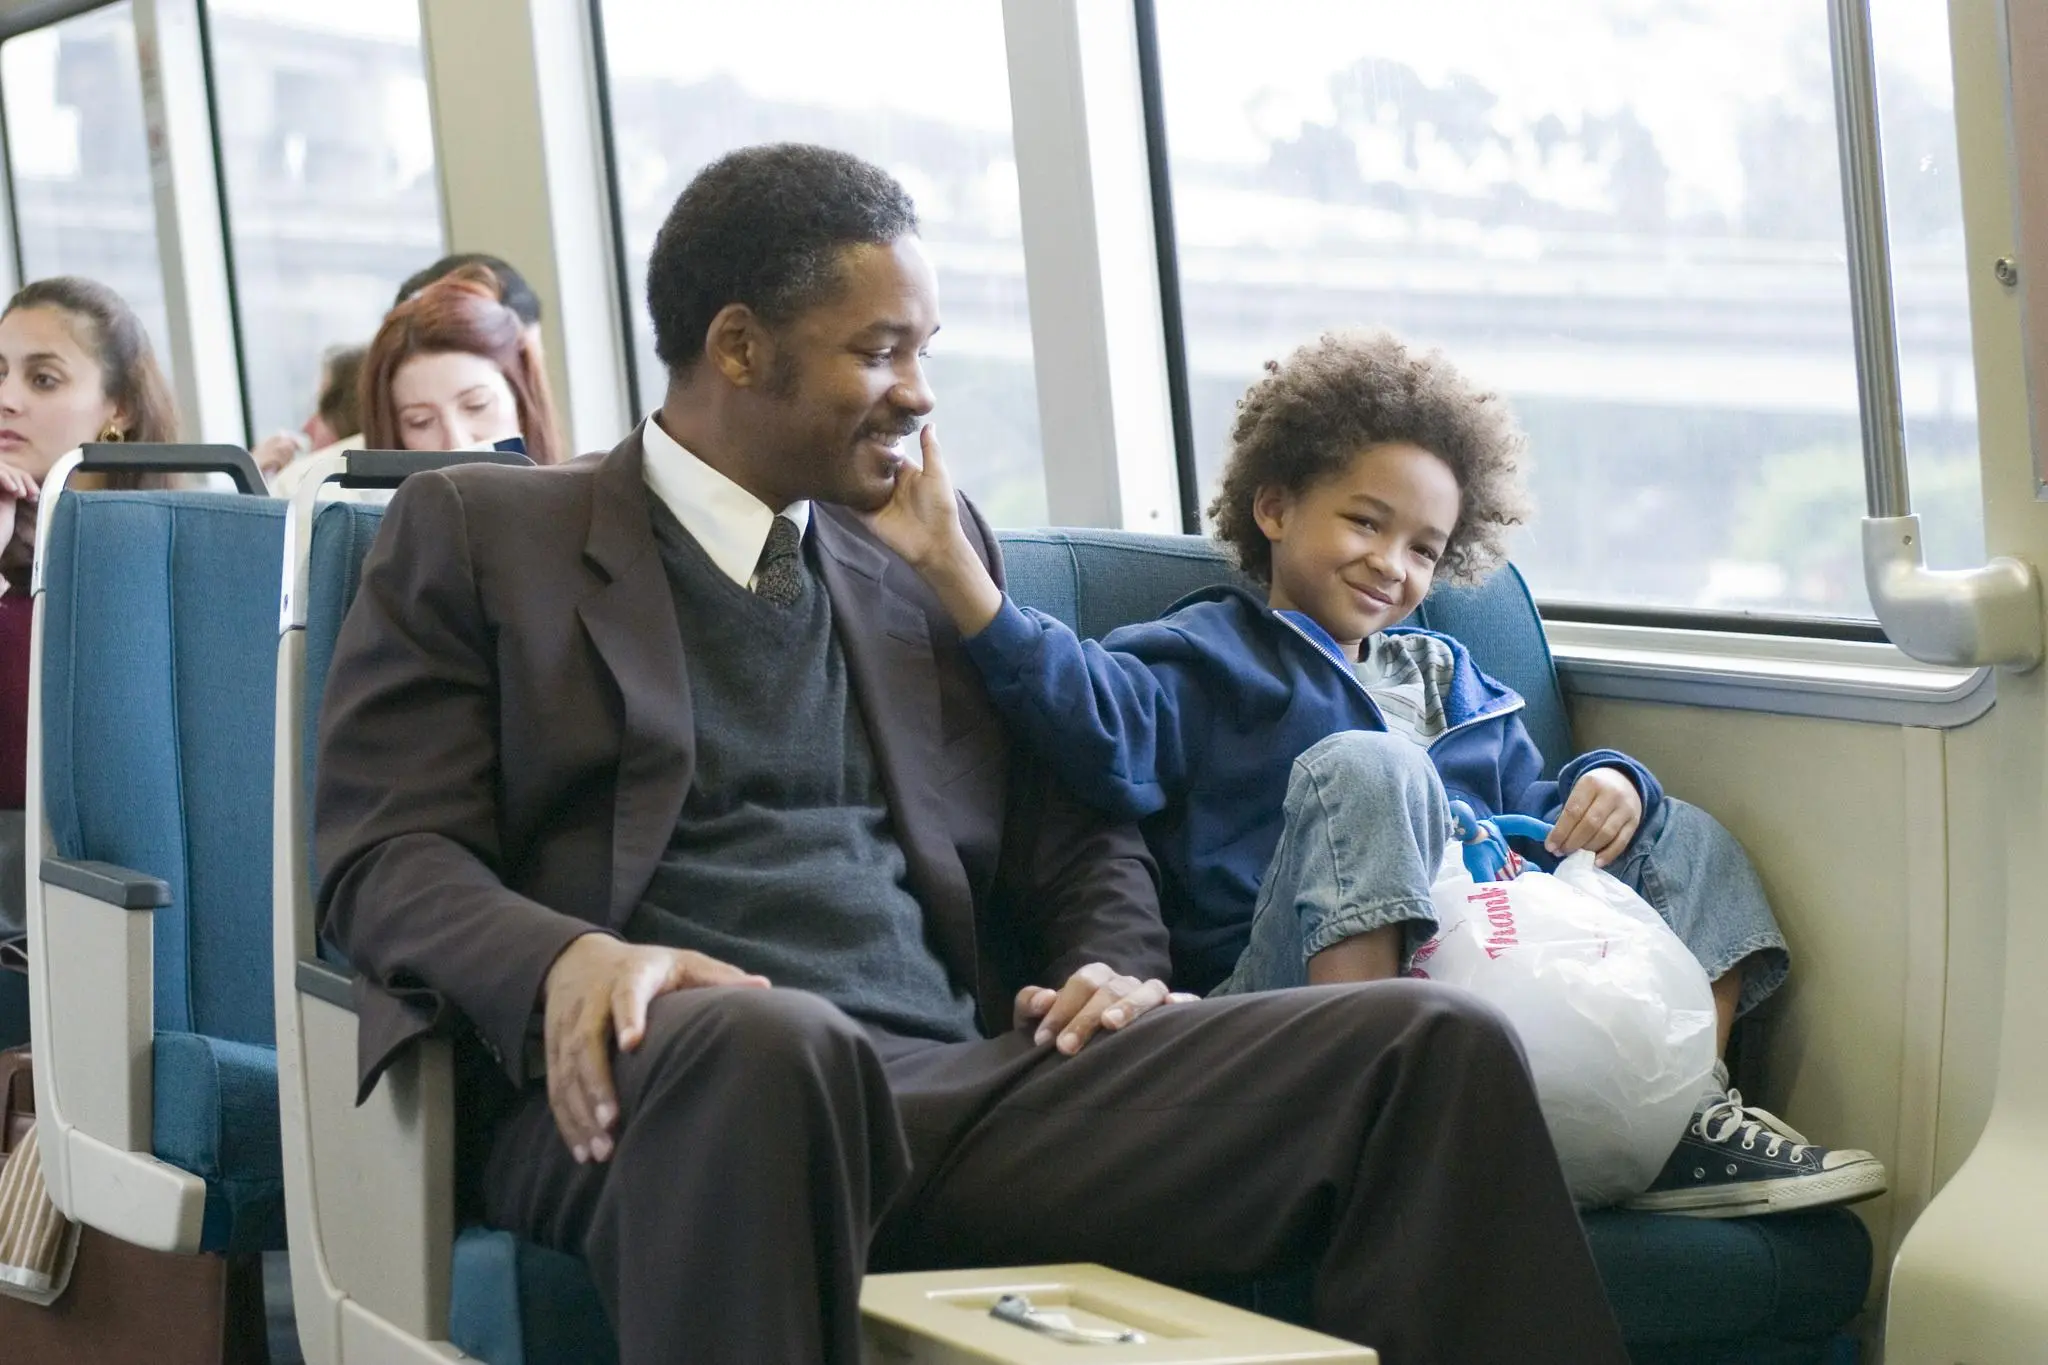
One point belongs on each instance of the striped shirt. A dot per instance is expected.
(1407, 677)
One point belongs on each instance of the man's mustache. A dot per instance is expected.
(893, 431)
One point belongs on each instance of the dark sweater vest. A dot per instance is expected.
(783, 861)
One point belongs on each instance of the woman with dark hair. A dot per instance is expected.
(453, 368)
(339, 413)
(75, 366)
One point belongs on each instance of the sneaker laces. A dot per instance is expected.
(1732, 1115)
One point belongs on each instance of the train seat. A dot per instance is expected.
(1687, 1291)
(148, 924)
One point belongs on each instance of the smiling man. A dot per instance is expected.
(662, 760)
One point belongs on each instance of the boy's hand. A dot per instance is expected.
(1097, 997)
(1601, 814)
(921, 522)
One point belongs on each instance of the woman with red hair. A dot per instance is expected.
(453, 368)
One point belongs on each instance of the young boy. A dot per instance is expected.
(1290, 759)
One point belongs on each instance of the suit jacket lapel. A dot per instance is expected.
(889, 661)
(632, 623)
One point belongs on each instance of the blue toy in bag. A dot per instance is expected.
(1485, 842)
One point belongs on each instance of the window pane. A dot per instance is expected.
(692, 81)
(328, 152)
(1625, 215)
(83, 203)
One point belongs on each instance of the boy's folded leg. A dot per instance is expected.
(1365, 828)
(1735, 1161)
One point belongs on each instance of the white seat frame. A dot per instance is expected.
(92, 1015)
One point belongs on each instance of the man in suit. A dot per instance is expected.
(664, 748)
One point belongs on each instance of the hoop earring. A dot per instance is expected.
(111, 434)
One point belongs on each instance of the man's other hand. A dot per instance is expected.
(1096, 997)
(598, 991)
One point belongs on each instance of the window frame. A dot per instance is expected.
(198, 388)
(204, 15)
(224, 198)
(1762, 623)
(615, 208)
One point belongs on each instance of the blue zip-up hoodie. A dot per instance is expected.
(1190, 725)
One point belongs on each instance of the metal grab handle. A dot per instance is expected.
(103, 457)
(355, 469)
(1967, 617)
(389, 468)
(1017, 1310)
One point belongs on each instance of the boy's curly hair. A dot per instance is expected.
(1346, 391)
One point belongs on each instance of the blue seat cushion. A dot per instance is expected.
(216, 1116)
(13, 1009)
(159, 673)
(514, 1303)
(1723, 1282)
(1687, 1291)
(1840, 1349)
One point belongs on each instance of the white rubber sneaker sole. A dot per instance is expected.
(1847, 1184)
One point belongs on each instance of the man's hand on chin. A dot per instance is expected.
(597, 992)
(1097, 997)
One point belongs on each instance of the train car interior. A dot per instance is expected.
(311, 307)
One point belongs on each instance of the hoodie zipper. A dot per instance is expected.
(1351, 674)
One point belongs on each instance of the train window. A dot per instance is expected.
(327, 150)
(79, 160)
(1631, 226)
(691, 81)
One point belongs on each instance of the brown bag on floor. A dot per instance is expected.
(38, 1245)
(124, 1305)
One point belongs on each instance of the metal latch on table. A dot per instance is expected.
(1017, 1309)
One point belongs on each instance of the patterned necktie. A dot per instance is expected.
(779, 574)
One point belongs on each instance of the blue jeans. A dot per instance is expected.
(1365, 829)
(1366, 825)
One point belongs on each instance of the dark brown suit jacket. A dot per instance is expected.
(506, 743)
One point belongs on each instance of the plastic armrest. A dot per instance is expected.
(107, 883)
(93, 1064)
(101, 967)
(383, 1172)
(325, 982)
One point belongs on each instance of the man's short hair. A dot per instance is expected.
(763, 227)
(513, 290)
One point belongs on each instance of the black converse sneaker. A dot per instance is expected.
(1735, 1161)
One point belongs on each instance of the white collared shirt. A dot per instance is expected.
(729, 522)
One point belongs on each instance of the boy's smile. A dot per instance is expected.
(1356, 552)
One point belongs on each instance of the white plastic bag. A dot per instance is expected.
(1614, 1012)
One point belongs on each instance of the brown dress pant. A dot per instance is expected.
(770, 1148)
